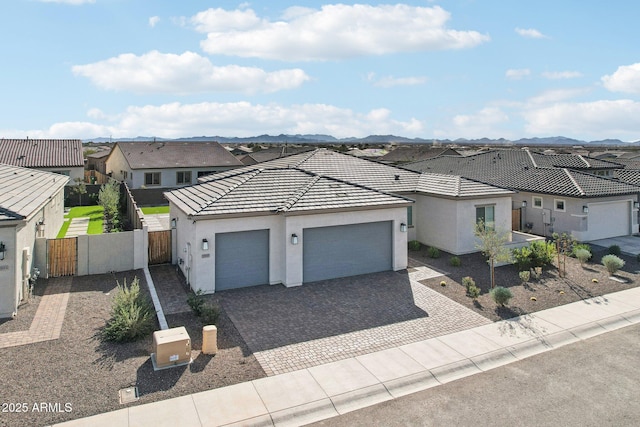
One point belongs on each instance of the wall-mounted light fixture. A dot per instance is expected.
(205, 245)
(403, 227)
(585, 209)
(3, 249)
(524, 203)
(636, 205)
(173, 223)
(294, 239)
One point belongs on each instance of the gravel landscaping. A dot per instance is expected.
(79, 370)
(548, 291)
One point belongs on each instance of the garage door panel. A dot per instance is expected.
(242, 259)
(609, 220)
(346, 250)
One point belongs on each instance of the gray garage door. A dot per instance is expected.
(346, 250)
(242, 259)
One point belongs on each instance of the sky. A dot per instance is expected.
(419, 69)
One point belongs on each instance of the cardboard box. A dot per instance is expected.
(171, 347)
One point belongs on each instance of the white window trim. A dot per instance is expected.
(555, 205)
(533, 202)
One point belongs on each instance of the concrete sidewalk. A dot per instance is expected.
(313, 394)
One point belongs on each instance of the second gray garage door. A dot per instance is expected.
(242, 259)
(346, 250)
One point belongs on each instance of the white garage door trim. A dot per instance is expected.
(346, 250)
(609, 219)
(242, 259)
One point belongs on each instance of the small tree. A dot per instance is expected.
(491, 243)
(564, 244)
(79, 188)
(109, 199)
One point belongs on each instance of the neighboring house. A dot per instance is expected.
(167, 164)
(271, 154)
(557, 193)
(98, 161)
(31, 205)
(319, 215)
(62, 156)
(414, 153)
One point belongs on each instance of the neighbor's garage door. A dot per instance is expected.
(242, 259)
(609, 220)
(346, 250)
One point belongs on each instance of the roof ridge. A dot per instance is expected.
(584, 160)
(249, 175)
(305, 158)
(535, 164)
(291, 201)
(459, 185)
(573, 180)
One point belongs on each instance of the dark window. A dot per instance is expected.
(410, 216)
(152, 178)
(486, 214)
(183, 177)
(203, 173)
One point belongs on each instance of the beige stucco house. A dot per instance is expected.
(31, 205)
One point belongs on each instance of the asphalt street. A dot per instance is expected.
(595, 382)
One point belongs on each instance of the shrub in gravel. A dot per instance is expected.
(433, 252)
(132, 314)
(455, 261)
(583, 255)
(207, 312)
(578, 246)
(525, 276)
(501, 295)
(537, 254)
(612, 263)
(614, 250)
(414, 245)
(472, 290)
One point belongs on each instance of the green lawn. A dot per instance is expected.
(151, 210)
(95, 221)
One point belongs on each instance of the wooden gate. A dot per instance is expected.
(62, 257)
(515, 220)
(159, 247)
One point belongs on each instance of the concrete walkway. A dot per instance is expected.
(47, 322)
(157, 222)
(78, 226)
(320, 392)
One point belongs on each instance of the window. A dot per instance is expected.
(183, 177)
(410, 216)
(203, 173)
(152, 178)
(486, 214)
(537, 202)
(559, 205)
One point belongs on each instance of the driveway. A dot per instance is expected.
(294, 328)
(629, 245)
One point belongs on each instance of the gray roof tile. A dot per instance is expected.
(176, 154)
(41, 153)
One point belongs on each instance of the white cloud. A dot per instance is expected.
(556, 95)
(530, 33)
(333, 32)
(153, 21)
(558, 75)
(71, 2)
(484, 123)
(517, 74)
(588, 120)
(390, 81)
(626, 79)
(156, 72)
(229, 119)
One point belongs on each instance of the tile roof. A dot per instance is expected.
(23, 191)
(266, 190)
(522, 171)
(415, 153)
(41, 153)
(571, 161)
(99, 154)
(271, 154)
(630, 176)
(176, 154)
(372, 174)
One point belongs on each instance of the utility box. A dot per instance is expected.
(171, 347)
(209, 339)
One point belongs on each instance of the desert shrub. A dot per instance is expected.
(472, 290)
(614, 250)
(433, 252)
(208, 313)
(414, 245)
(468, 281)
(537, 254)
(612, 263)
(578, 246)
(525, 276)
(132, 314)
(455, 261)
(583, 255)
(501, 295)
